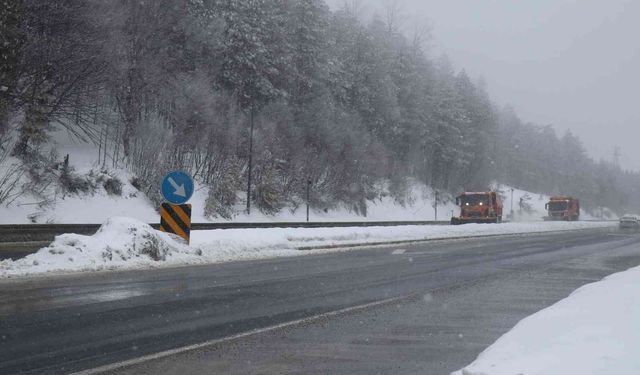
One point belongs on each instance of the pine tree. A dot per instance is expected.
(308, 24)
(11, 42)
(250, 68)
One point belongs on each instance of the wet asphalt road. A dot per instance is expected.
(460, 297)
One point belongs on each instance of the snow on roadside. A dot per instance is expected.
(293, 238)
(123, 243)
(119, 243)
(595, 331)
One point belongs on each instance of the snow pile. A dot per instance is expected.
(129, 244)
(596, 330)
(119, 243)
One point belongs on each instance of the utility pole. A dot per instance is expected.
(511, 203)
(436, 206)
(308, 195)
(250, 162)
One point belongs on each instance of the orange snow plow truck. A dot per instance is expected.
(563, 208)
(478, 207)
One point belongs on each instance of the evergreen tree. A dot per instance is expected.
(251, 68)
(11, 42)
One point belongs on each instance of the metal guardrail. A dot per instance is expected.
(45, 232)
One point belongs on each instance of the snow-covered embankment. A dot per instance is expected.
(594, 331)
(123, 243)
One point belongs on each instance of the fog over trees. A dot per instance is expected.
(356, 110)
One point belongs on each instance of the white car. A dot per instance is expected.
(630, 221)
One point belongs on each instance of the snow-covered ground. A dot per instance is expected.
(385, 209)
(595, 331)
(526, 206)
(99, 205)
(95, 207)
(124, 243)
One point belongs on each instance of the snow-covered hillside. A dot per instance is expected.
(52, 205)
(100, 204)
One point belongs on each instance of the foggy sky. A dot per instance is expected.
(571, 64)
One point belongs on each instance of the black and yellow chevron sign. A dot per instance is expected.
(176, 219)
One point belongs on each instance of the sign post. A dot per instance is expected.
(436, 206)
(175, 216)
(308, 195)
(511, 204)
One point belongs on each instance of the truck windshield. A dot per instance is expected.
(475, 200)
(557, 206)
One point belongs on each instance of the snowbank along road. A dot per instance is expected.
(126, 243)
(19, 240)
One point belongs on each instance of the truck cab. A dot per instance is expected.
(478, 207)
(563, 209)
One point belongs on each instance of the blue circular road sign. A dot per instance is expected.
(177, 187)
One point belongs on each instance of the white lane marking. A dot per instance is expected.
(167, 353)
(398, 252)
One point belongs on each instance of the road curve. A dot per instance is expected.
(72, 323)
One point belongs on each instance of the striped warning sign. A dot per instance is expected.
(176, 219)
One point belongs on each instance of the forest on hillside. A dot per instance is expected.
(283, 92)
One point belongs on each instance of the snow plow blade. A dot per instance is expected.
(461, 221)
